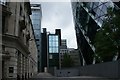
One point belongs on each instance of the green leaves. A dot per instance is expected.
(67, 61)
(107, 39)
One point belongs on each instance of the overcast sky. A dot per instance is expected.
(58, 15)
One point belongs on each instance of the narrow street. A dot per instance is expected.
(59, 39)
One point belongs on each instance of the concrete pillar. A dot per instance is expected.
(21, 62)
(45, 69)
(27, 67)
(23, 66)
(55, 69)
(18, 64)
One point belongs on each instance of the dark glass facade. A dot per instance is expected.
(88, 18)
(36, 21)
(44, 49)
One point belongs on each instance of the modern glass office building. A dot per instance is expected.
(36, 21)
(88, 18)
(50, 49)
(53, 43)
(54, 49)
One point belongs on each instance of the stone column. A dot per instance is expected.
(18, 64)
(21, 62)
(23, 67)
(27, 67)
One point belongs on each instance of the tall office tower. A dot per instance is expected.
(44, 49)
(36, 21)
(88, 18)
(54, 49)
(19, 50)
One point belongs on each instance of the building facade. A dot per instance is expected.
(33, 56)
(74, 55)
(36, 21)
(18, 42)
(88, 18)
(44, 50)
(50, 49)
(63, 50)
(64, 43)
(53, 50)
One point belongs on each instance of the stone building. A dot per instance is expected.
(19, 52)
(74, 54)
(63, 50)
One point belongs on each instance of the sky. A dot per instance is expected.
(58, 15)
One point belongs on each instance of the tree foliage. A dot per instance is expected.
(107, 40)
(67, 61)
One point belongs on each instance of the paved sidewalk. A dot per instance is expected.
(48, 76)
(42, 75)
